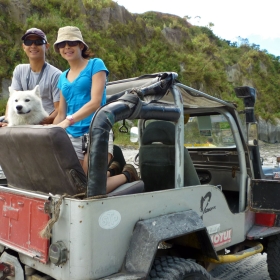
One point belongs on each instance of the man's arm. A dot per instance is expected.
(51, 117)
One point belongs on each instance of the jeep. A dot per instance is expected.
(202, 200)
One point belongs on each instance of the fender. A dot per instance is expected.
(149, 233)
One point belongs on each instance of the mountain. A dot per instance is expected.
(135, 44)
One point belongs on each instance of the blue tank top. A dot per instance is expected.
(78, 93)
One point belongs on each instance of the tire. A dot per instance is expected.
(173, 268)
(273, 256)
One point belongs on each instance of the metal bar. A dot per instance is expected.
(179, 139)
(202, 94)
(241, 159)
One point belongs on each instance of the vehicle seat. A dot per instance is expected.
(118, 156)
(157, 158)
(128, 188)
(42, 159)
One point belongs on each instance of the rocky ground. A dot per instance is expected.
(252, 268)
(268, 152)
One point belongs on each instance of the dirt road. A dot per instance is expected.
(252, 268)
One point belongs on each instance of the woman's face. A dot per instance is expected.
(71, 50)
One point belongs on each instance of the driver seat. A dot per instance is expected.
(157, 158)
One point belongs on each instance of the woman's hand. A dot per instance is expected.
(64, 124)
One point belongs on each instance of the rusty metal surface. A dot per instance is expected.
(265, 196)
(257, 232)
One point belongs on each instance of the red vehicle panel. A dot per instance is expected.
(21, 220)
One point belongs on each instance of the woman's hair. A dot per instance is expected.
(86, 53)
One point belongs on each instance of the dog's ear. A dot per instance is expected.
(10, 90)
(37, 90)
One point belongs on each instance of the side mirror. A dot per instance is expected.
(134, 134)
(249, 98)
(252, 134)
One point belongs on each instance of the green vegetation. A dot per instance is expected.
(122, 138)
(132, 45)
(3, 103)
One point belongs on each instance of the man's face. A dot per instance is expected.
(35, 51)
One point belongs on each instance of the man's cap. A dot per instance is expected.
(35, 31)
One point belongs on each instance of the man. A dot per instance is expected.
(38, 71)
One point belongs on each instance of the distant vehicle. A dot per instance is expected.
(196, 203)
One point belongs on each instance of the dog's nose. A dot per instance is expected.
(19, 107)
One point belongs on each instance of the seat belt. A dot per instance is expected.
(39, 78)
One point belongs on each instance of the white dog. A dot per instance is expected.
(25, 107)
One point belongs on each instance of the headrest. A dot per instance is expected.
(159, 131)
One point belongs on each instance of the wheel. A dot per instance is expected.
(273, 256)
(173, 268)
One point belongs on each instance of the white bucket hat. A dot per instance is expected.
(69, 33)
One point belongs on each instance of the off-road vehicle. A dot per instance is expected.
(202, 198)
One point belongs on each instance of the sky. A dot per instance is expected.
(255, 20)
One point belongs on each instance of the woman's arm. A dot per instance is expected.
(61, 114)
(98, 84)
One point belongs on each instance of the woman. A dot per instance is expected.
(82, 92)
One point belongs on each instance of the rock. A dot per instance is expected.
(269, 132)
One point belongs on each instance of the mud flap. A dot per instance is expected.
(265, 196)
(149, 233)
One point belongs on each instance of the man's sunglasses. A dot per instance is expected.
(37, 42)
(69, 43)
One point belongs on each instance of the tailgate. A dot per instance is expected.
(265, 196)
(22, 217)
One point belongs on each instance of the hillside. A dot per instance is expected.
(136, 44)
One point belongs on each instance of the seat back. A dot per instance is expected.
(118, 156)
(41, 158)
(128, 188)
(157, 158)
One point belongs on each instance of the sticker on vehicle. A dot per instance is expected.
(221, 238)
(214, 228)
(109, 219)
(204, 202)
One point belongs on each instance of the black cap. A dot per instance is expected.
(35, 31)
